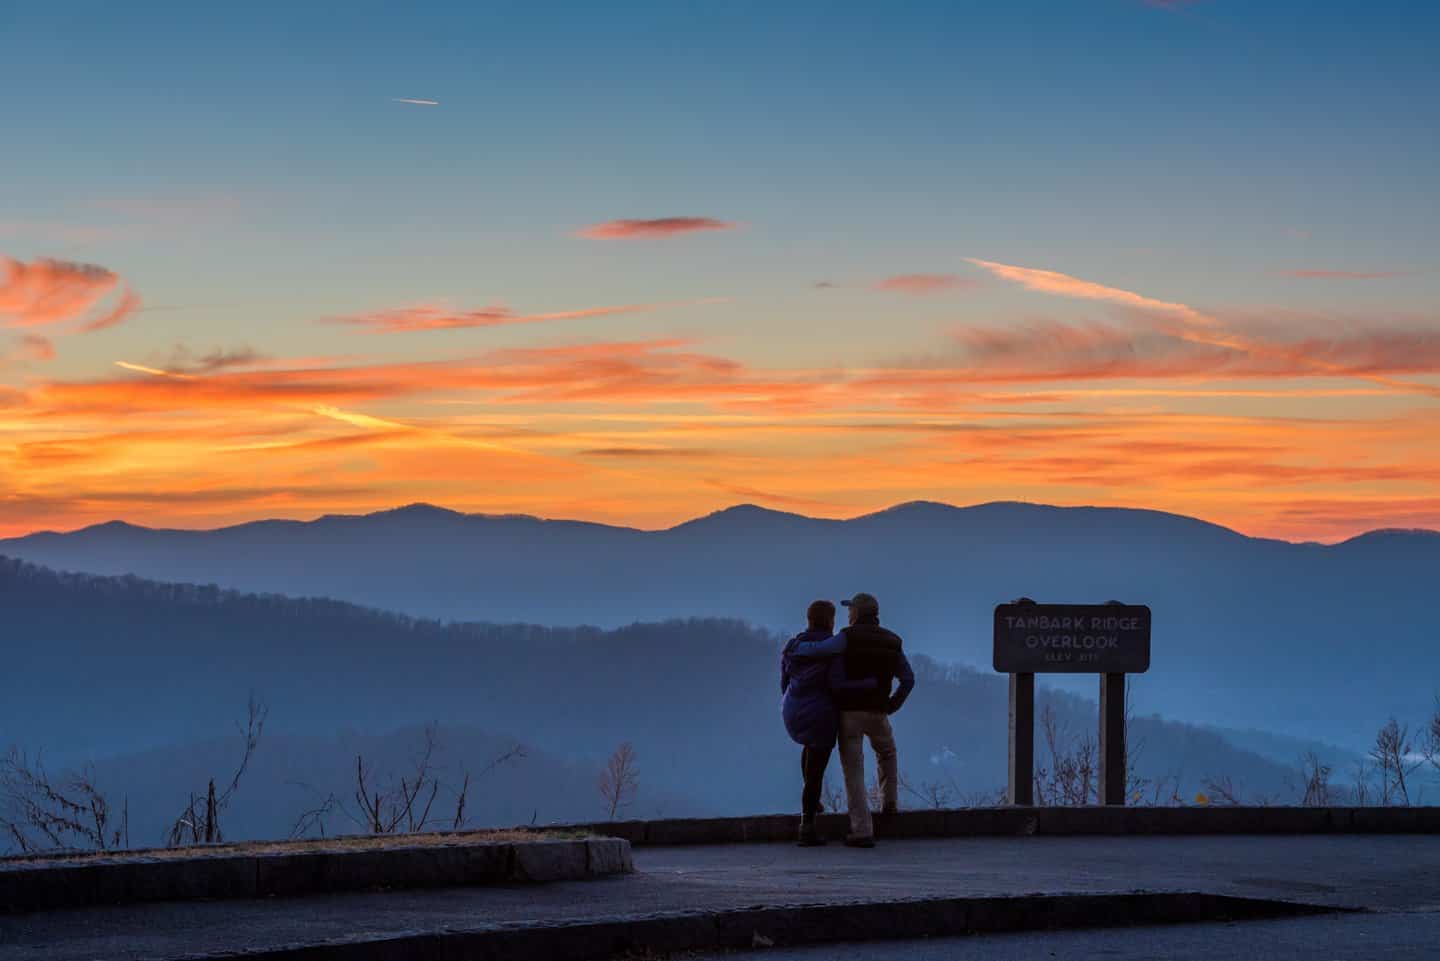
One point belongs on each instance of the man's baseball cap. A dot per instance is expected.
(862, 602)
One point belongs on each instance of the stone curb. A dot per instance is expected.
(123, 880)
(1022, 821)
(659, 935)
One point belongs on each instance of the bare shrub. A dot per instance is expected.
(1136, 786)
(384, 804)
(938, 795)
(1316, 777)
(1430, 742)
(1395, 760)
(1221, 791)
(833, 797)
(1162, 791)
(1360, 784)
(619, 781)
(392, 808)
(199, 822)
(874, 796)
(1071, 779)
(39, 812)
(995, 797)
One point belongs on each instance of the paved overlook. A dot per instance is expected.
(1394, 877)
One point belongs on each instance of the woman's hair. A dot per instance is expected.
(821, 615)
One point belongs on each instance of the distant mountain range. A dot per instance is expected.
(149, 679)
(1308, 640)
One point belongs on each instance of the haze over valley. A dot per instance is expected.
(1304, 640)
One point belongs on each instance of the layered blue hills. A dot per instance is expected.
(1307, 640)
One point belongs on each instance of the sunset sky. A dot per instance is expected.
(635, 262)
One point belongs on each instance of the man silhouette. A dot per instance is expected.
(869, 652)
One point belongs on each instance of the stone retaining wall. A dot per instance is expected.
(33, 885)
(1012, 821)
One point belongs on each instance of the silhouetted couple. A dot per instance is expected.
(838, 686)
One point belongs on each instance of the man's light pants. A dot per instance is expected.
(855, 726)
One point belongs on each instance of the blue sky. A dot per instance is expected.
(247, 170)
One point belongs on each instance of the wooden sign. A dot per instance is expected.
(1072, 638)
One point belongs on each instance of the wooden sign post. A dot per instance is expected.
(1110, 640)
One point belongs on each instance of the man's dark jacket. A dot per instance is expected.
(872, 651)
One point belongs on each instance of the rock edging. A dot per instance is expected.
(1021, 821)
(39, 886)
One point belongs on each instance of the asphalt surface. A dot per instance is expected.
(1366, 937)
(1389, 873)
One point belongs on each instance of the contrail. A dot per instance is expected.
(421, 103)
(156, 371)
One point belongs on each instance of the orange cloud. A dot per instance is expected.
(654, 431)
(1367, 355)
(441, 318)
(669, 372)
(1053, 351)
(656, 227)
(924, 283)
(57, 292)
(625, 372)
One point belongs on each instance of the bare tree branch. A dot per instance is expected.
(315, 818)
(931, 794)
(619, 781)
(199, 822)
(1316, 775)
(386, 806)
(833, 797)
(1430, 743)
(1395, 759)
(1360, 783)
(1221, 791)
(1072, 776)
(38, 812)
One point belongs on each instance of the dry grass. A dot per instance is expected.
(338, 844)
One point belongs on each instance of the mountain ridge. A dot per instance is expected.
(747, 511)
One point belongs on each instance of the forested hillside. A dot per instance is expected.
(166, 671)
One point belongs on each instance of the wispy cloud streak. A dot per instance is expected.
(653, 228)
(429, 317)
(924, 283)
(1064, 285)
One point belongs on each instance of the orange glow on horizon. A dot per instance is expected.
(1313, 431)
